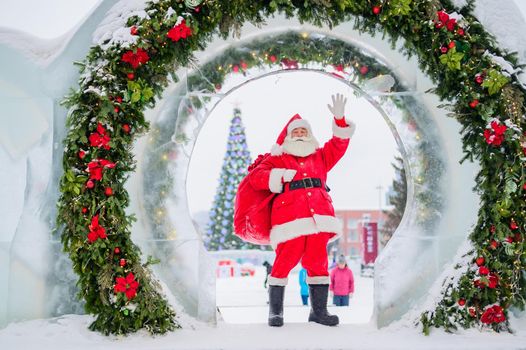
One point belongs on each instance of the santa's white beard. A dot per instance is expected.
(300, 146)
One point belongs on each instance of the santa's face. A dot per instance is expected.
(299, 132)
(299, 143)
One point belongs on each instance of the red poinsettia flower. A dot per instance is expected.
(127, 285)
(444, 20)
(100, 138)
(493, 281)
(136, 58)
(289, 64)
(494, 314)
(495, 135)
(95, 230)
(180, 31)
(96, 166)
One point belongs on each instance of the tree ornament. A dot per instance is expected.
(126, 128)
(472, 312)
(84, 210)
(492, 229)
(273, 58)
(81, 154)
(474, 103)
(134, 30)
(479, 79)
(377, 10)
(444, 49)
(460, 32)
(116, 109)
(90, 184)
(451, 44)
(494, 244)
(122, 262)
(461, 302)
(480, 261)
(118, 99)
(244, 65)
(364, 70)
(513, 225)
(108, 191)
(131, 76)
(509, 239)
(235, 69)
(117, 250)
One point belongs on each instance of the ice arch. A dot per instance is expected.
(30, 200)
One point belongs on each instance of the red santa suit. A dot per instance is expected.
(302, 216)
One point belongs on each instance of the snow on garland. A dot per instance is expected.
(131, 61)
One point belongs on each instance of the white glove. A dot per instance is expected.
(338, 106)
(288, 175)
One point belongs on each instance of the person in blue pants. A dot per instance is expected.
(304, 287)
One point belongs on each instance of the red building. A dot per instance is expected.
(350, 244)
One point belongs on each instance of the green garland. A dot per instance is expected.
(119, 82)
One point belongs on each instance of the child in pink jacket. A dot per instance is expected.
(342, 283)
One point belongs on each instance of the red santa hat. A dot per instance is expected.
(295, 122)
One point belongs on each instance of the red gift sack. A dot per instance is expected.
(252, 210)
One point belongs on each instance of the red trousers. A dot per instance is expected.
(311, 250)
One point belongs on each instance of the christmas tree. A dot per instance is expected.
(220, 228)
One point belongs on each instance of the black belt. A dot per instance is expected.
(308, 182)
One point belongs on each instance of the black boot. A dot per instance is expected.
(318, 311)
(275, 296)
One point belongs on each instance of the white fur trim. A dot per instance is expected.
(305, 226)
(274, 281)
(299, 123)
(276, 150)
(318, 280)
(274, 180)
(288, 175)
(345, 132)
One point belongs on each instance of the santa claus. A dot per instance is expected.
(302, 216)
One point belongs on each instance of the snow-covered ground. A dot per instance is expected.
(243, 309)
(244, 300)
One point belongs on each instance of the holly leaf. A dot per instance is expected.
(494, 81)
(400, 7)
(452, 59)
(147, 94)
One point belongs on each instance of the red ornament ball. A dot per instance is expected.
(479, 79)
(118, 99)
(108, 191)
(235, 68)
(513, 225)
(444, 49)
(461, 302)
(494, 244)
(524, 186)
(90, 184)
(197, 9)
(474, 103)
(116, 109)
(273, 58)
(377, 10)
(134, 30)
(451, 45)
(81, 154)
(244, 65)
(364, 70)
(131, 76)
(117, 250)
(480, 261)
(460, 32)
(492, 229)
(122, 262)
(509, 239)
(84, 210)
(126, 128)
